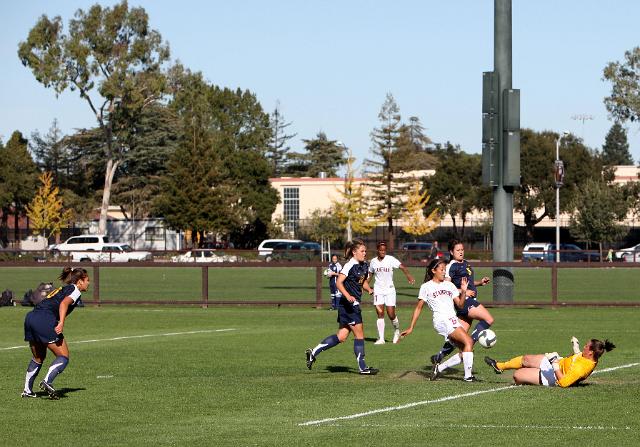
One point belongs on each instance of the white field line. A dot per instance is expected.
(128, 337)
(434, 401)
(500, 426)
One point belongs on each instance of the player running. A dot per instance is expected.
(350, 282)
(440, 296)
(43, 328)
(457, 269)
(384, 291)
(552, 370)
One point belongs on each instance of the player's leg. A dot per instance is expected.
(448, 347)
(527, 376)
(390, 304)
(378, 301)
(327, 343)
(358, 349)
(39, 353)
(460, 337)
(61, 351)
(484, 317)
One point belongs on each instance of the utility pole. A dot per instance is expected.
(501, 147)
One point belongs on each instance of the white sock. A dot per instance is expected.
(451, 361)
(396, 323)
(380, 324)
(467, 359)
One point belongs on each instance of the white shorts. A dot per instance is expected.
(547, 375)
(446, 326)
(388, 298)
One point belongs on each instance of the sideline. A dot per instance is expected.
(168, 334)
(435, 401)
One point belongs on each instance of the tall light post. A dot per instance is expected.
(559, 177)
(348, 173)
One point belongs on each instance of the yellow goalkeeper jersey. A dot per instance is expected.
(575, 369)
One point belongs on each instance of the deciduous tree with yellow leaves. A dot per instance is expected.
(416, 223)
(45, 211)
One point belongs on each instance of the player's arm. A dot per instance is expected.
(342, 289)
(568, 379)
(407, 273)
(62, 310)
(459, 300)
(414, 318)
(365, 285)
(483, 282)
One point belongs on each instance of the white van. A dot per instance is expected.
(266, 247)
(86, 242)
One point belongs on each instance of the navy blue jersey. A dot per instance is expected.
(52, 302)
(356, 273)
(335, 268)
(457, 270)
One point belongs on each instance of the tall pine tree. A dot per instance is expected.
(615, 151)
(277, 147)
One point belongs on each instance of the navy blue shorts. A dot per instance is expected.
(40, 326)
(468, 304)
(334, 289)
(349, 315)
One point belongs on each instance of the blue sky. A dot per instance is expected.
(330, 63)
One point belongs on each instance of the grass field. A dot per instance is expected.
(298, 284)
(227, 376)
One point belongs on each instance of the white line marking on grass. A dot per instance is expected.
(435, 401)
(168, 334)
(405, 406)
(104, 377)
(500, 427)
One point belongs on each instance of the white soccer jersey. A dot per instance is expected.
(383, 271)
(439, 298)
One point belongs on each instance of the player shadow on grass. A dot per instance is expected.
(340, 369)
(62, 392)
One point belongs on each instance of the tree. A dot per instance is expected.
(598, 209)
(413, 148)
(277, 147)
(615, 151)
(46, 213)
(324, 156)
(18, 178)
(624, 102)
(50, 153)
(456, 186)
(323, 225)
(388, 189)
(416, 222)
(351, 209)
(535, 197)
(108, 53)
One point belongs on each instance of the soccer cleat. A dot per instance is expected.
(492, 363)
(434, 372)
(28, 394)
(310, 358)
(396, 336)
(368, 371)
(51, 391)
(470, 379)
(379, 341)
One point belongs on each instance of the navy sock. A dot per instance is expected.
(358, 350)
(327, 343)
(58, 365)
(481, 326)
(32, 372)
(446, 349)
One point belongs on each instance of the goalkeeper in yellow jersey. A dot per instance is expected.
(552, 370)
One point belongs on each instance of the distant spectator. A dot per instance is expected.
(433, 254)
(610, 255)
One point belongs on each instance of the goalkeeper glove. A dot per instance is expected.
(552, 356)
(575, 345)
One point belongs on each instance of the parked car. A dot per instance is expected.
(421, 251)
(87, 242)
(620, 254)
(294, 251)
(537, 252)
(112, 253)
(632, 256)
(266, 247)
(205, 256)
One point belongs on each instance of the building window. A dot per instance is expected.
(291, 206)
(154, 234)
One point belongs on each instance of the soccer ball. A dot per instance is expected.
(487, 338)
(326, 272)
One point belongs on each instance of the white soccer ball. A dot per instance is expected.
(326, 272)
(487, 338)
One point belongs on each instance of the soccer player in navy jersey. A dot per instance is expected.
(350, 282)
(43, 328)
(333, 271)
(457, 269)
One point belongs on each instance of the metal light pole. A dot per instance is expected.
(559, 177)
(346, 176)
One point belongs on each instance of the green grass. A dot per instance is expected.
(250, 386)
(298, 284)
